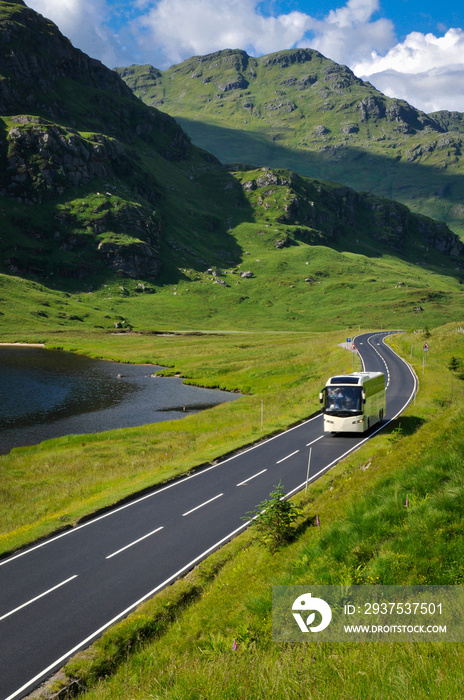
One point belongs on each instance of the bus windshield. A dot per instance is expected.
(342, 400)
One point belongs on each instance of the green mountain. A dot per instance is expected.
(87, 169)
(111, 217)
(296, 109)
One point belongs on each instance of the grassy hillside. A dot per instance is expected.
(296, 109)
(318, 256)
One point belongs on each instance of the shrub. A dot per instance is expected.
(274, 519)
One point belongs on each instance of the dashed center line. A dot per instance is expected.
(29, 602)
(251, 477)
(287, 457)
(149, 534)
(312, 443)
(202, 504)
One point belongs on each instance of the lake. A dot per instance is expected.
(51, 393)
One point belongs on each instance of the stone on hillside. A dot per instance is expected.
(249, 185)
(238, 84)
(282, 243)
(350, 129)
(269, 178)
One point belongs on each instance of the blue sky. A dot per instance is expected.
(405, 14)
(413, 49)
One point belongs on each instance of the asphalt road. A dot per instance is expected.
(60, 595)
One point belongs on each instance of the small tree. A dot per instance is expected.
(273, 519)
(455, 364)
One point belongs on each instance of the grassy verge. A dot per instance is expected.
(367, 534)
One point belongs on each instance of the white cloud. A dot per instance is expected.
(417, 53)
(437, 89)
(425, 70)
(350, 43)
(180, 28)
(354, 12)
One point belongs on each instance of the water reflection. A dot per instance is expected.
(50, 393)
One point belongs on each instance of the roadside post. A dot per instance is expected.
(424, 360)
(309, 467)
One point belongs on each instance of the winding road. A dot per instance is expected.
(60, 595)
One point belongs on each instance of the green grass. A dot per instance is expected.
(180, 644)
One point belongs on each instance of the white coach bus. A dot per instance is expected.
(353, 402)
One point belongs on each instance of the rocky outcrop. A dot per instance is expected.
(395, 226)
(320, 213)
(137, 260)
(45, 159)
(237, 59)
(408, 118)
(284, 59)
(372, 107)
(236, 83)
(449, 121)
(438, 236)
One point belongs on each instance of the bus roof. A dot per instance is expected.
(356, 378)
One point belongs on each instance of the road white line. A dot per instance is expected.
(287, 457)
(135, 542)
(251, 477)
(85, 642)
(29, 602)
(382, 358)
(202, 504)
(116, 510)
(312, 443)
